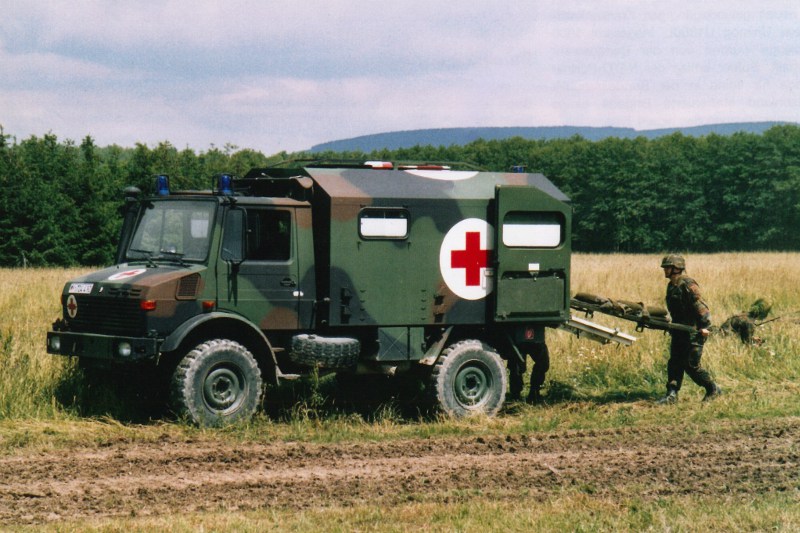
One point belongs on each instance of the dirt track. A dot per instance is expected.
(171, 477)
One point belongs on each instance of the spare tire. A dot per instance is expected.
(325, 352)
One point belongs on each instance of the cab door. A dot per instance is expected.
(533, 255)
(265, 286)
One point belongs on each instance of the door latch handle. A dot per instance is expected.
(288, 282)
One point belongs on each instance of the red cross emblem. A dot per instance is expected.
(127, 274)
(473, 259)
(464, 258)
(72, 306)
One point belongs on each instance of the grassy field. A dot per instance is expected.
(44, 404)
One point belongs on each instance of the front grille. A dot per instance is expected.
(108, 316)
(124, 292)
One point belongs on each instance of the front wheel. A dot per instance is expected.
(469, 378)
(216, 384)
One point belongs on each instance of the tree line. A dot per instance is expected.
(60, 200)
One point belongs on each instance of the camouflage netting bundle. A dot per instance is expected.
(623, 307)
(744, 325)
(760, 309)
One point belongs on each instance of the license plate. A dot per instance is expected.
(81, 288)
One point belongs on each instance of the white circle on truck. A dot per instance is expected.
(465, 259)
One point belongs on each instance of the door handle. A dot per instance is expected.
(288, 282)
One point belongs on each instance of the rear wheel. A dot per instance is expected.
(469, 378)
(216, 384)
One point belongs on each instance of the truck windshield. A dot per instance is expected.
(173, 230)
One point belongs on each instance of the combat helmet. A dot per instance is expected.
(674, 260)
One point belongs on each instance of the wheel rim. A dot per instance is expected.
(473, 384)
(224, 389)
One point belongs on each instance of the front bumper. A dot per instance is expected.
(107, 347)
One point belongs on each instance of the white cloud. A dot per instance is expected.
(33, 67)
(284, 75)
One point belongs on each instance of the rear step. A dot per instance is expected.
(586, 329)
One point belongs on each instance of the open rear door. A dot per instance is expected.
(533, 255)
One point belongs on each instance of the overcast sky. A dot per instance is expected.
(285, 75)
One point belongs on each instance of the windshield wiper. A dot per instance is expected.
(148, 256)
(177, 255)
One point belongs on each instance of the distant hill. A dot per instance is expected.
(462, 136)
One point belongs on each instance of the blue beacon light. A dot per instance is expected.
(225, 184)
(162, 185)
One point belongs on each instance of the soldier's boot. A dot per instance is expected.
(670, 398)
(713, 392)
(535, 397)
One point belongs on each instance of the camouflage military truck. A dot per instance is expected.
(370, 268)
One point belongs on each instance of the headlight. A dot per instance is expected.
(55, 343)
(124, 349)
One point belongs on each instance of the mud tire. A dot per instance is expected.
(325, 352)
(469, 378)
(216, 384)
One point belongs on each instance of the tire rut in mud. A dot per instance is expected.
(173, 477)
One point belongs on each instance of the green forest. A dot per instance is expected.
(60, 200)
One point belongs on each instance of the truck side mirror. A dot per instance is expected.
(233, 236)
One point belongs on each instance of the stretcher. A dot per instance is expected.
(645, 317)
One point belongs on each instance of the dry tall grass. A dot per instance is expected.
(31, 380)
(29, 303)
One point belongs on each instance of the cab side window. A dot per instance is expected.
(269, 235)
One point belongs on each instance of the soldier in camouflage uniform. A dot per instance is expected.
(686, 306)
